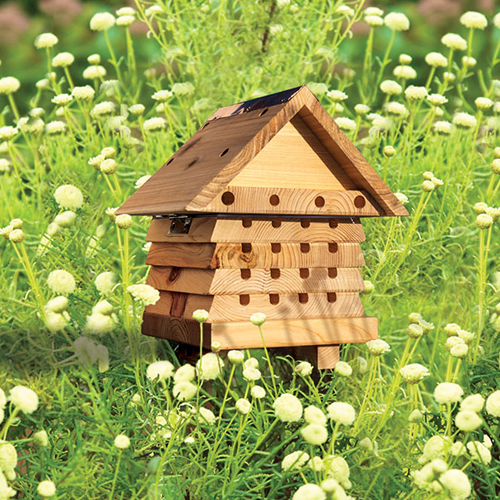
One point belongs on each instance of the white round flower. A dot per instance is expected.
(105, 282)
(473, 403)
(16, 235)
(155, 123)
(483, 103)
(9, 85)
(137, 109)
(46, 489)
(436, 60)
(464, 120)
(102, 109)
(484, 221)
(448, 393)
(55, 127)
(479, 452)
(343, 369)
(390, 87)
(414, 373)
(125, 20)
(314, 434)
(437, 99)
(443, 127)
(69, 197)
(63, 60)
(397, 21)
(336, 95)
(342, 413)
(236, 357)
(258, 392)
(405, 72)
(459, 351)
(295, 460)
(378, 347)
(288, 408)
(57, 304)
(99, 324)
(251, 374)
(468, 421)
(144, 293)
(309, 492)
(361, 109)
(209, 366)
(186, 373)
(258, 319)
(23, 398)
(474, 20)
(102, 21)
(304, 368)
(456, 483)
(469, 62)
(243, 406)
(61, 282)
(345, 124)
(373, 11)
(7, 133)
(413, 92)
(337, 468)
(160, 370)
(141, 181)
(374, 20)
(162, 95)
(184, 390)
(46, 41)
(122, 442)
(84, 93)
(183, 88)
(314, 415)
(397, 109)
(200, 315)
(402, 198)
(108, 166)
(94, 72)
(454, 41)
(493, 404)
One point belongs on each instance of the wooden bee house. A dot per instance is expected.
(260, 212)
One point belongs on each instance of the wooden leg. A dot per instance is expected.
(322, 357)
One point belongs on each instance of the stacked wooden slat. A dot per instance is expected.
(303, 274)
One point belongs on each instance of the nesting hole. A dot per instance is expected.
(205, 126)
(263, 112)
(333, 247)
(331, 297)
(319, 201)
(303, 298)
(305, 223)
(274, 200)
(276, 223)
(276, 247)
(246, 247)
(246, 274)
(333, 223)
(170, 161)
(359, 201)
(304, 273)
(224, 152)
(305, 247)
(274, 298)
(227, 198)
(246, 222)
(275, 274)
(332, 272)
(244, 300)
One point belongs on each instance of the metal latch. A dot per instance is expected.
(180, 224)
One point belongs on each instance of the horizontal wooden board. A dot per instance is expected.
(223, 308)
(255, 255)
(277, 333)
(255, 281)
(249, 230)
(265, 200)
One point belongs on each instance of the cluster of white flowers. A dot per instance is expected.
(89, 353)
(145, 294)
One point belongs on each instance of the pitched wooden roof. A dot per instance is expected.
(250, 150)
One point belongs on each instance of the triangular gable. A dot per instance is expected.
(232, 141)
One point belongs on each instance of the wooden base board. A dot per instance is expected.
(277, 333)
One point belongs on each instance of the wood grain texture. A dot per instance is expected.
(220, 150)
(294, 157)
(278, 333)
(322, 357)
(298, 201)
(258, 255)
(252, 230)
(225, 308)
(255, 281)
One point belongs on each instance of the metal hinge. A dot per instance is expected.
(180, 224)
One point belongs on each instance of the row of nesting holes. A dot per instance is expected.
(274, 298)
(274, 200)
(276, 247)
(276, 223)
(246, 274)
